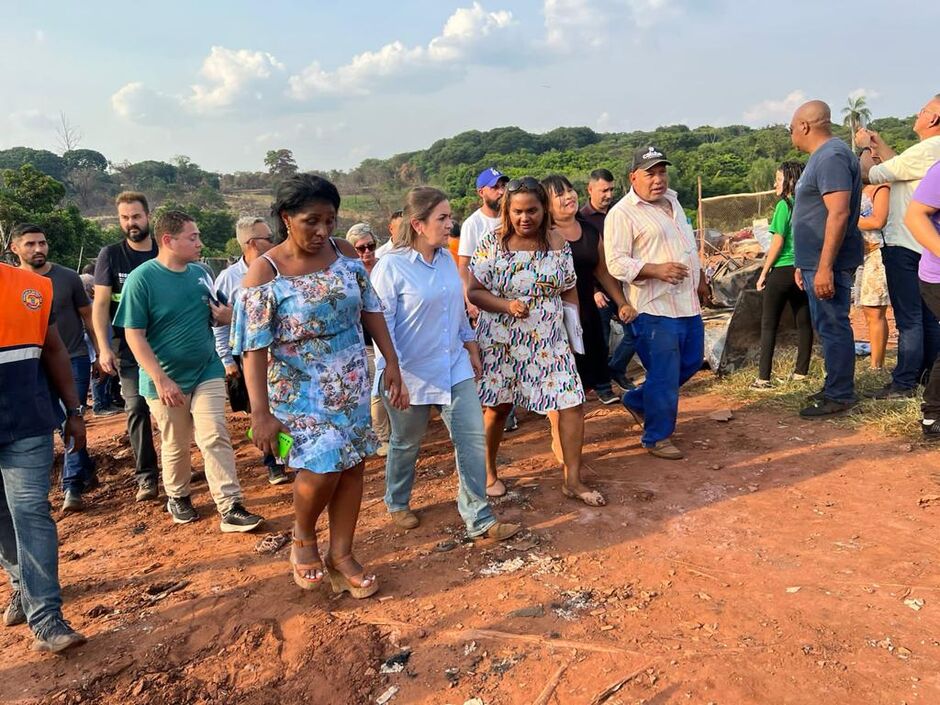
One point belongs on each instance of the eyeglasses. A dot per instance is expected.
(266, 239)
(366, 248)
(526, 183)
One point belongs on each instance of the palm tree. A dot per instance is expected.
(855, 115)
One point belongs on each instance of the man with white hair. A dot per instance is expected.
(254, 238)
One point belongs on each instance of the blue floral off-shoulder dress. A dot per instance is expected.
(318, 381)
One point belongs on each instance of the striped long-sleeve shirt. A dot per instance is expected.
(637, 233)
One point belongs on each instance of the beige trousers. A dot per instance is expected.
(203, 411)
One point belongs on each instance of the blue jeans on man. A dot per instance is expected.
(831, 320)
(79, 467)
(918, 329)
(625, 349)
(464, 420)
(29, 544)
(672, 351)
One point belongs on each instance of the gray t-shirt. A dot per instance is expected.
(68, 295)
(832, 167)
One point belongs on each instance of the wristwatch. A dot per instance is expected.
(78, 411)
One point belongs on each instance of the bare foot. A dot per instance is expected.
(589, 496)
(497, 489)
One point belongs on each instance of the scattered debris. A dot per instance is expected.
(157, 591)
(606, 693)
(510, 565)
(387, 695)
(272, 543)
(549, 688)
(575, 601)
(722, 415)
(452, 675)
(396, 663)
(928, 500)
(446, 545)
(474, 701)
(98, 611)
(915, 603)
(794, 589)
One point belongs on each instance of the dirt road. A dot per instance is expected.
(782, 562)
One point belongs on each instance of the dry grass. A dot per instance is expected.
(891, 418)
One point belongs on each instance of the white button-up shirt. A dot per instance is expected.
(637, 233)
(424, 310)
(229, 282)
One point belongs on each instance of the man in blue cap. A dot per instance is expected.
(491, 185)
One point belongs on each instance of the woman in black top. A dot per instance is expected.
(591, 269)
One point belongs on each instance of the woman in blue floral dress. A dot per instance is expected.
(521, 277)
(298, 326)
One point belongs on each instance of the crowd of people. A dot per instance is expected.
(341, 348)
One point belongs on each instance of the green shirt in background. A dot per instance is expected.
(173, 309)
(780, 225)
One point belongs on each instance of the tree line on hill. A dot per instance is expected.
(72, 194)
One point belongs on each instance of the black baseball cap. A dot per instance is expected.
(647, 157)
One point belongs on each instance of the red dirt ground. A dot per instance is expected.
(781, 562)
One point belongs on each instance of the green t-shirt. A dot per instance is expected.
(780, 225)
(173, 309)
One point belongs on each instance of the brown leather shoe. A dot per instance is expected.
(405, 519)
(665, 449)
(501, 530)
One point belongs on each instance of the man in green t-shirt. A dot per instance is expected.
(166, 310)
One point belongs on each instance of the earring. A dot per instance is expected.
(287, 223)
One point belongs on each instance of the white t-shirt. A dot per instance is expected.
(384, 249)
(473, 228)
(904, 172)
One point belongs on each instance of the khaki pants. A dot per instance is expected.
(203, 411)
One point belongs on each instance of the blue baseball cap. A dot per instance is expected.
(490, 177)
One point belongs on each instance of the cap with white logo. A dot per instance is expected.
(648, 157)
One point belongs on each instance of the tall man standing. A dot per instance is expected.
(651, 248)
(827, 248)
(918, 329)
(32, 358)
(72, 311)
(254, 238)
(115, 262)
(166, 311)
(491, 185)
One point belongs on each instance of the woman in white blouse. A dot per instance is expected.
(439, 357)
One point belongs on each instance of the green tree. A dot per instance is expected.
(855, 114)
(44, 160)
(760, 175)
(280, 162)
(84, 159)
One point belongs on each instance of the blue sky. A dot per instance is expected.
(338, 82)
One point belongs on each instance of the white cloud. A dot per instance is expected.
(773, 111)
(137, 103)
(39, 35)
(232, 76)
(572, 25)
(471, 35)
(34, 120)
(867, 93)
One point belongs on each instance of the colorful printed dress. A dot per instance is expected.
(318, 379)
(526, 361)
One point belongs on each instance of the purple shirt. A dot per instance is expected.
(928, 193)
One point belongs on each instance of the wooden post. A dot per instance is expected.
(701, 226)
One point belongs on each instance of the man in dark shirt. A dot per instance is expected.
(72, 311)
(600, 198)
(114, 263)
(32, 359)
(827, 248)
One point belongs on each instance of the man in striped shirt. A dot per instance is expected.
(650, 247)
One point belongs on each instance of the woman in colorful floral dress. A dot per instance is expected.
(298, 326)
(520, 275)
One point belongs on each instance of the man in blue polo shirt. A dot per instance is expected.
(827, 247)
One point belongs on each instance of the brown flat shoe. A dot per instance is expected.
(405, 519)
(500, 531)
(301, 571)
(665, 449)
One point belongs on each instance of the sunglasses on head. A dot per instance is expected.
(370, 247)
(526, 183)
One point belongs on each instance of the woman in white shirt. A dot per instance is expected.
(439, 357)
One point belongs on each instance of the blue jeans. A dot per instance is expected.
(464, 420)
(831, 321)
(79, 467)
(672, 351)
(102, 393)
(918, 330)
(625, 349)
(29, 544)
